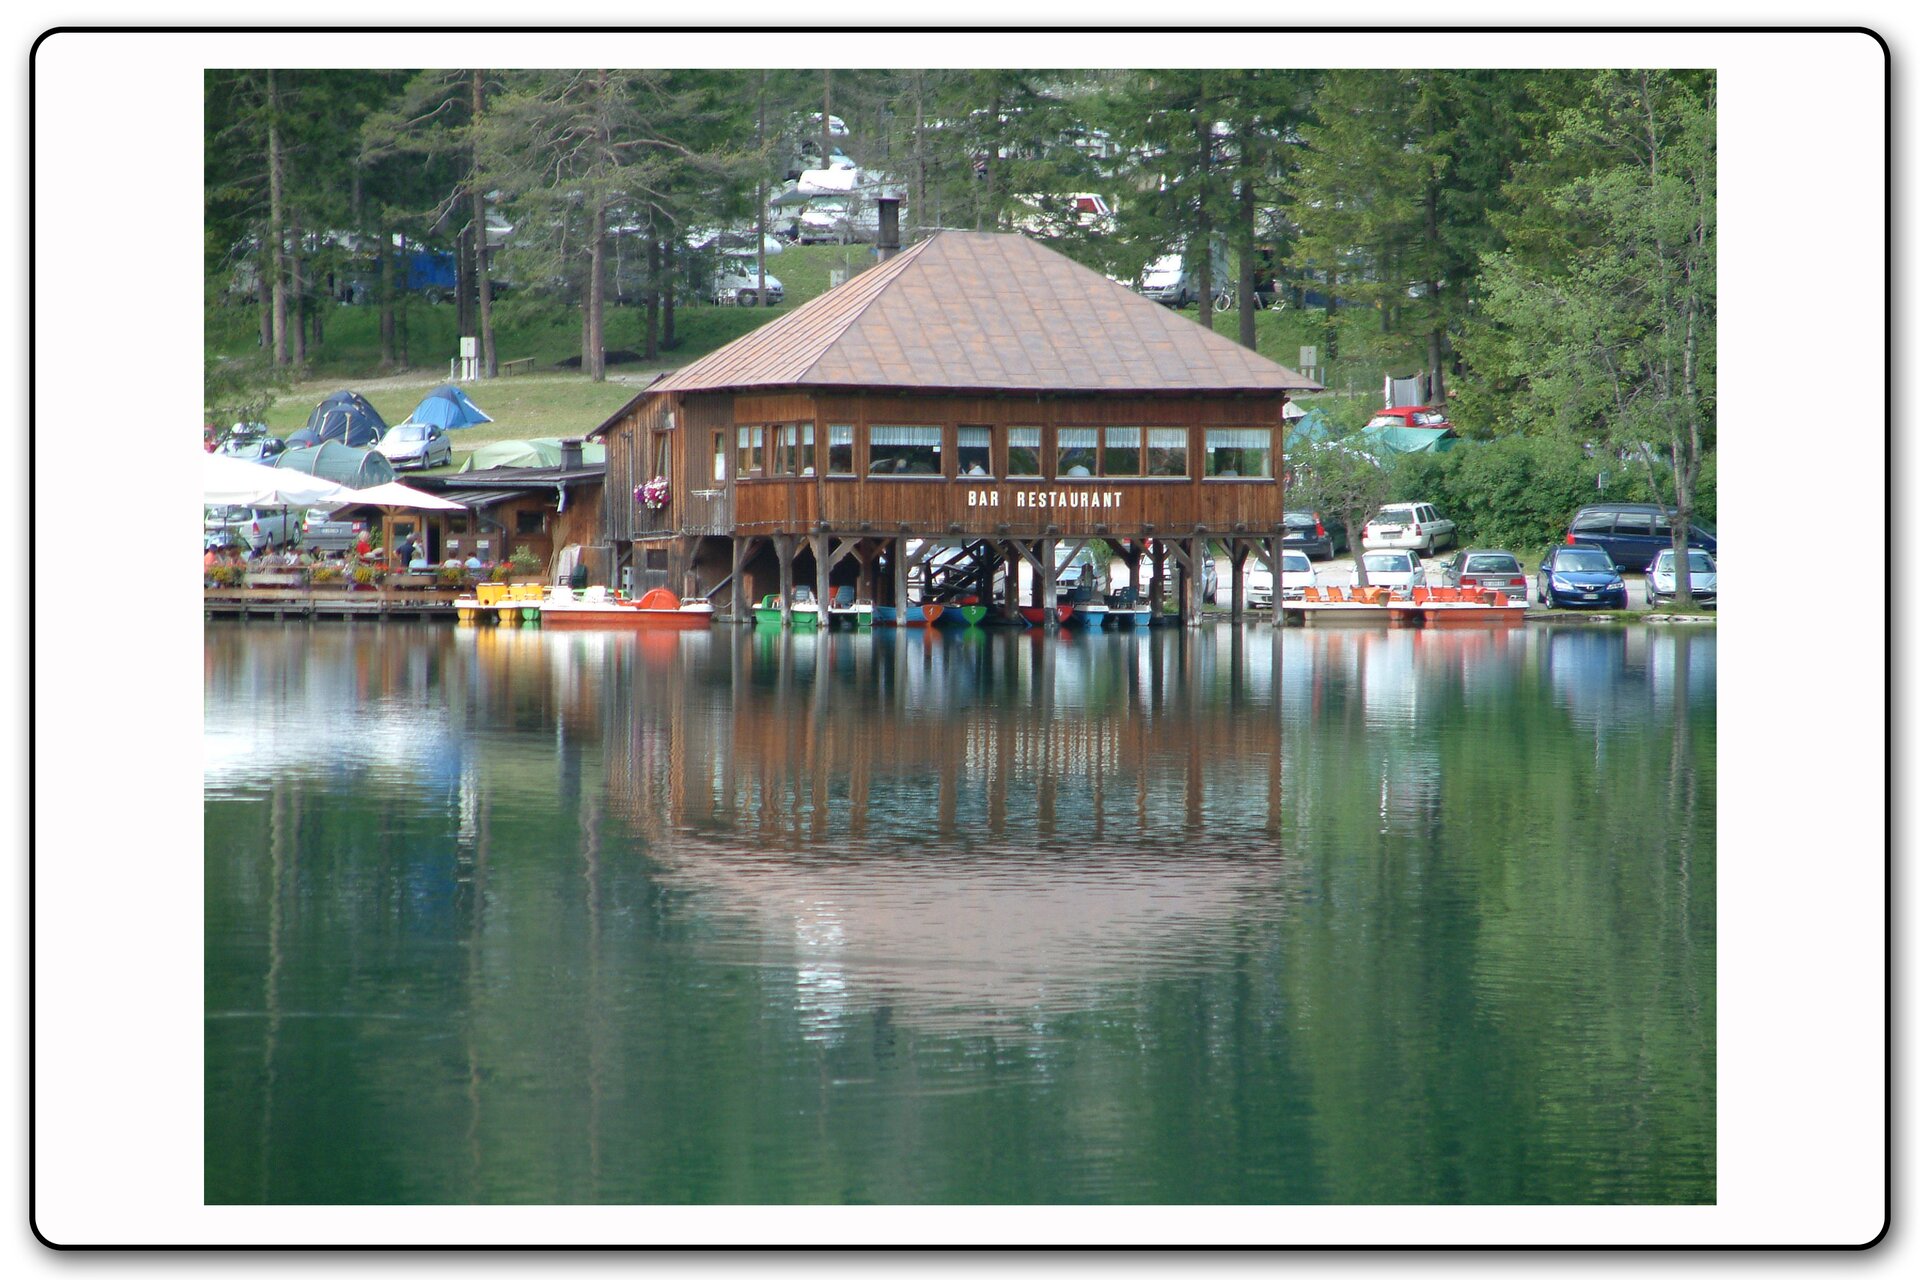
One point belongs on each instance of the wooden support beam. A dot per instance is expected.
(1196, 581)
(1010, 565)
(897, 553)
(1049, 586)
(821, 544)
(783, 546)
(1237, 555)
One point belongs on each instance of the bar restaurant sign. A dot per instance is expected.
(1034, 499)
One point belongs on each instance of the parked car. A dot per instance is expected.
(1631, 533)
(1703, 576)
(1296, 575)
(1167, 280)
(262, 449)
(322, 534)
(1401, 570)
(1580, 578)
(738, 283)
(416, 444)
(1410, 416)
(1407, 524)
(1485, 571)
(1307, 532)
(249, 527)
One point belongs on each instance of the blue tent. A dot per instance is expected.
(347, 417)
(448, 408)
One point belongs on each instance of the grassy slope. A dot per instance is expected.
(557, 401)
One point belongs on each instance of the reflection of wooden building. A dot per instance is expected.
(1031, 745)
(976, 391)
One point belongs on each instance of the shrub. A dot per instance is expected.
(1517, 492)
(325, 573)
(368, 575)
(226, 575)
(524, 561)
(452, 575)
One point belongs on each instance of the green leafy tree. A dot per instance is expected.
(1615, 338)
(1334, 477)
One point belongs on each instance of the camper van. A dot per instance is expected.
(738, 283)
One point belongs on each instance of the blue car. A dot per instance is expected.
(1580, 578)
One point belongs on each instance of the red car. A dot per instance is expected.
(1410, 416)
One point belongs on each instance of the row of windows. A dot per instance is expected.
(792, 449)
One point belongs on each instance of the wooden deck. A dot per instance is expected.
(331, 601)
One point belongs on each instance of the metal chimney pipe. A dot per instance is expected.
(888, 243)
(572, 453)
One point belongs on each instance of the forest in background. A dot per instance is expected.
(1540, 244)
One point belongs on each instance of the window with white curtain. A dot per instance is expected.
(1078, 452)
(840, 449)
(903, 451)
(1120, 452)
(1244, 453)
(1023, 451)
(974, 455)
(1166, 451)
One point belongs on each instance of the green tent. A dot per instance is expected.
(1311, 427)
(342, 464)
(1381, 440)
(541, 452)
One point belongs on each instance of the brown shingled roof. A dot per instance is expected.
(968, 310)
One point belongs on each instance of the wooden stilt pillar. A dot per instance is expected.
(1195, 583)
(1237, 554)
(1010, 595)
(740, 604)
(897, 554)
(821, 544)
(783, 547)
(1156, 589)
(1049, 586)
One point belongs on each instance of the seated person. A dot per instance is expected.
(474, 563)
(418, 564)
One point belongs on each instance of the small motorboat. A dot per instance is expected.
(956, 615)
(858, 614)
(1089, 615)
(592, 607)
(1036, 615)
(805, 612)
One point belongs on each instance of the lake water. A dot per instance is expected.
(494, 915)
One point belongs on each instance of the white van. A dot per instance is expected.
(738, 284)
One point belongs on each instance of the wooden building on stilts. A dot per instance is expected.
(975, 402)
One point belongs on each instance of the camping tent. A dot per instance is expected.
(1382, 439)
(342, 464)
(344, 416)
(448, 408)
(1312, 427)
(543, 452)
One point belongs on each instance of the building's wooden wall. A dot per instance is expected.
(935, 507)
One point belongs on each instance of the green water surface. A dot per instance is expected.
(494, 915)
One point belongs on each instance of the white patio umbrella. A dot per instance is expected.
(394, 496)
(235, 481)
(401, 497)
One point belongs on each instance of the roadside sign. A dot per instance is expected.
(1309, 357)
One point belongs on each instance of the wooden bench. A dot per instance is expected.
(523, 365)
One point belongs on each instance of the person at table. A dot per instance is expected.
(417, 562)
(212, 557)
(474, 562)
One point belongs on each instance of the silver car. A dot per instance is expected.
(414, 444)
(1703, 576)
